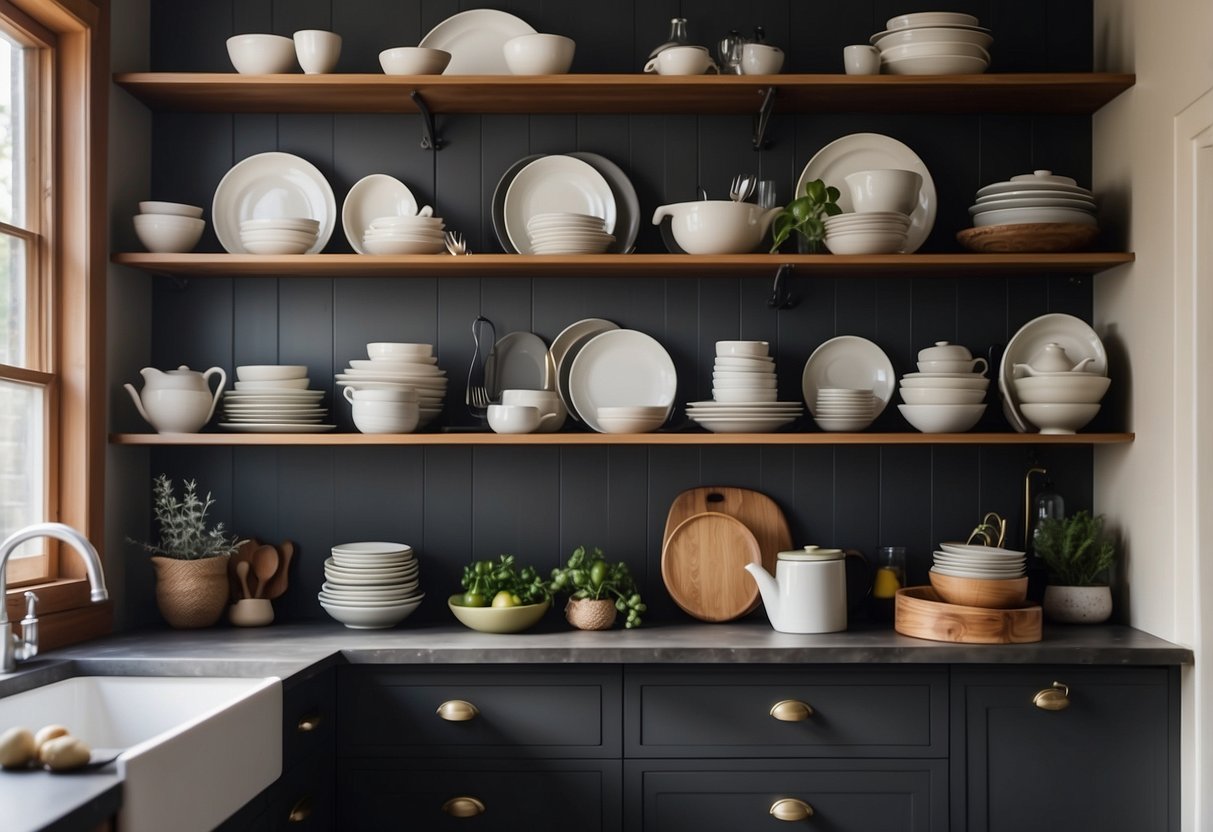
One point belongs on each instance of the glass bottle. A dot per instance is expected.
(889, 575)
(1048, 505)
(677, 37)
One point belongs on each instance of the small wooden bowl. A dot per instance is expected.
(985, 593)
(921, 613)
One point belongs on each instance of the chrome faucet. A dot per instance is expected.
(14, 648)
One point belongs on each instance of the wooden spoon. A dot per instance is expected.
(243, 553)
(265, 564)
(278, 583)
(242, 574)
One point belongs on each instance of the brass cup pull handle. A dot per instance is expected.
(301, 811)
(789, 808)
(308, 724)
(1054, 698)
(791, 710)
(463, 807)
(457, 710)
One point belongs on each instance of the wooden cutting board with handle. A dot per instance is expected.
(755, 510)
(703, 566)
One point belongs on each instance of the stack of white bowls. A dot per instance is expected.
(560, 232)
(400, 366)
(272, 394)
(933, 43)
(845, 409)
(1055, 395)
(419, 234)
(169, 227)
(744, 394)
(947, 394)
(964, 560)
(1037, 197)
(279, 235)
(632, 418)
(883, 201)
(371, 585)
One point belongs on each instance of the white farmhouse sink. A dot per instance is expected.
(196, 749)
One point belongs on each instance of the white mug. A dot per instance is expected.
(317, 50)
(682, 60)
(545, 401)
(761, 59)
(861, 59)
(399, 394)
(517, 418)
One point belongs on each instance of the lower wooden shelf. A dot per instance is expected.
(687, 438)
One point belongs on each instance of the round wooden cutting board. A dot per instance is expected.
(703, 566)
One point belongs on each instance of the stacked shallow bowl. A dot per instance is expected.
(279, 235)
(567, 233)
(948, 393)
(844, 409)
(169, 227)
(371, 585)
(404, 235)
(979, 576)
(933, 43)
(1058, 400)
(744, 394)
(273, 396)
(1038, 212)
(883, 200)
(400, 366)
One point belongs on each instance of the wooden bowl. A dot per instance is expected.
(921, 613)
(985, 593)
(1036, 237)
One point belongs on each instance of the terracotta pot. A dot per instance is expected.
(191, 593)
(1078, 604)
(590, 614)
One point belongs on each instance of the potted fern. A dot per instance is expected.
(1077, 553)
(190, 560)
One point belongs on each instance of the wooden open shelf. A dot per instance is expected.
(687, 438)
(366, 93)
(620, 265)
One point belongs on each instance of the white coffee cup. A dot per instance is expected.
(385, 417)
(682, 60)
(400, 394)
(761, 59)
(317, 50)
(547, 402)
(884, 190)
(517, 418)
(861, 59)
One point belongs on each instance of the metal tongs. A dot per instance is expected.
(477, 398)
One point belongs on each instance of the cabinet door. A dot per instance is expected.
(728, 796)
(510, 795)
(1108, 761)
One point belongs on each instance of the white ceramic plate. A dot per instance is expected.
(751, 424)
(371, 547)
(849, 361)
(1031, 202)
(999, 189)
(518, 361)
(555, 183)
(565, 347)
(931, 34)
(274, 398)
(476, 40)
(620, 368)
(873, 151)
(627, 203)
(909, 21)
(372, 197)
(271, 185)
(1074, 335)
(272, 427)
(974, 549)
(411, 367)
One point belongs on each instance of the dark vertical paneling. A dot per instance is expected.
(811, 513)
(190, 154)
(190, 37)
(255, 322)
(393, 24)
(306, 500)
(856, 498)
(905, 506)
(446, 527)
(510, 142)
(192, 324)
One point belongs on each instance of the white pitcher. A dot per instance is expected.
(177, 401)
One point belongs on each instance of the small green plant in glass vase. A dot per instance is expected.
(1077, 552)
(804, 216)
(598, 589)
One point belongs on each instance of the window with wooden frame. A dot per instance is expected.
(53, 65)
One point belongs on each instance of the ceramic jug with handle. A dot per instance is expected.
(808, 593)
(1051, 358)
(177, 401)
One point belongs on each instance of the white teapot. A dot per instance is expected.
(1050, 359)
(809, 591)
(177, 401)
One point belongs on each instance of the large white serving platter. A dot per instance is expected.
(269, 186)
(476, 41)
(849, 361)
(554, 184)
(621, 367)
(372, 198)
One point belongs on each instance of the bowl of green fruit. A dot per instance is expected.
(499, 598)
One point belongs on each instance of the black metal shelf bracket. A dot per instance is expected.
(781, 297)
(430, 140)
(762, 117)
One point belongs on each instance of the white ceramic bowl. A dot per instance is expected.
(848, 423)
(389, 245)
(388, 417)
(270, 372)
(176, 209)
(371, 618)
(743, 348)
(261, 54)
(398, 350)
(726, 363)
(275, 247)
(633, 411)
(918, 19)
(739, 396)
(414, 60)
(941, 395)
(941, 65)
(760, 381)
(892, 191)
(305, 224)
(716, 226)
(166, 233)
(865, 242)
(967, 381)
(539, 54)
(933, 34)
(630, 424)
(1058, 418)
(1019, 216)
(927, 49)
(942, 418)
(1077, 388)
(272, 385)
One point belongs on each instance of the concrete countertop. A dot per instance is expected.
(38, 800)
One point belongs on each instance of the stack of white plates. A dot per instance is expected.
(394, 366)
(933, 43)
(845, 369)
(404, 235)
(871, 232)
(1038, 197)
(745, 399)
(279, 235)
(844, 408)
(964, 560)
(274, 398)
(371, 585)
(561, 232)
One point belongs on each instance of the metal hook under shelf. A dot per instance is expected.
(780, 297)
(762, 117)
(430, 140)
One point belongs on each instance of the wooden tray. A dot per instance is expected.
(1034, 237)
(703, 566)
(918, 612)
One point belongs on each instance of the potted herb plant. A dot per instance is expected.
(190, 560)
(1077, 553)
(803, 216)
(597, 591)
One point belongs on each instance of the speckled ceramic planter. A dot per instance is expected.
(1078, 604)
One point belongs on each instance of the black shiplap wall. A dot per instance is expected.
(455, 504)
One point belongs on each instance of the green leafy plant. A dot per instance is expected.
(1075, 549)
(501, 584)
(183, 531)
(803, 215)
(588, 574)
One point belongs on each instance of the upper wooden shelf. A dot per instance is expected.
(688, 438)
(1083, 92)
(619, 265)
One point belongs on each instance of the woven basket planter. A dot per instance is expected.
(588, 614)
(191, 593)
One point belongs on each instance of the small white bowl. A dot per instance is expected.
(539, 54)
(1020, 216)
(1059, 418)
(175, 209)
(942, 418)
(935, 65)
(398, 350)
(847, 424)
(270, 372)
(381, 246)
(166, 233)
(749, 396)
(305, 224)
(273, 385)
(743, 349)
(274, 247)
(967, 381)
(1080, 388)
(865, 242)
(633, 411)
(882, 191)
(630, 424)
(261, 54)
(371, 618)
(280, 236)
(400, 423)
(941, 395)
(413, 60)
(934, 49)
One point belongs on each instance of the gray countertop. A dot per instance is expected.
(36, 800)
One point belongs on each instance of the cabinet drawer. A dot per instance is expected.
(536, 796)
(572, 712)
(853, 713)
(711, 795)
(309, 718)
(304, 799)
